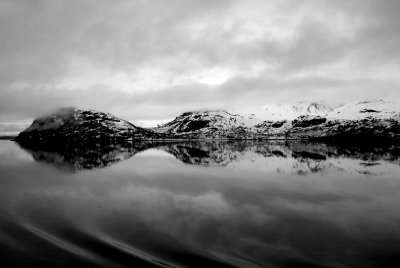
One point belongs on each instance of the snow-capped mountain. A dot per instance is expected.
(300, 121)
(366, 120)
(369, 120)
(223, 120)
(207, 124)
(75, 124)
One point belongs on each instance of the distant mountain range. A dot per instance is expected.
(367, 120)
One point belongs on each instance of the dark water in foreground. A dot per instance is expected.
(216, 204)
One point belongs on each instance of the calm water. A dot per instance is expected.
(215, 204)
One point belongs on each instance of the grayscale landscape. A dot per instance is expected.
(188, 133)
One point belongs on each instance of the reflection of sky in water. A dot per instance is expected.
(251, 211)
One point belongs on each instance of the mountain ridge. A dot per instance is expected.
(377, 119)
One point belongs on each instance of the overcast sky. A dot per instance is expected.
(153, 59)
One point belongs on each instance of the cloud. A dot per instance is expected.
(155, 59)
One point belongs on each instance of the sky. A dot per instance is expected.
(150, 60)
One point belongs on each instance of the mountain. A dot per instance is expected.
(208, 125)
(271, 122)
(367, 120)
(70, 124)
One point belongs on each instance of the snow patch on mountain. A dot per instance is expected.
(279, 112)
(150, 123)
(378, 109)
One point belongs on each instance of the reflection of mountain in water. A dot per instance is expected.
(306, 157)
(208, 153)
(75, 157)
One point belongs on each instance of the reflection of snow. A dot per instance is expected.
(275, 156)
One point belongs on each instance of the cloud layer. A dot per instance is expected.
(150, 60)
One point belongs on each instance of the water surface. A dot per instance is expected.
(200, 204)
